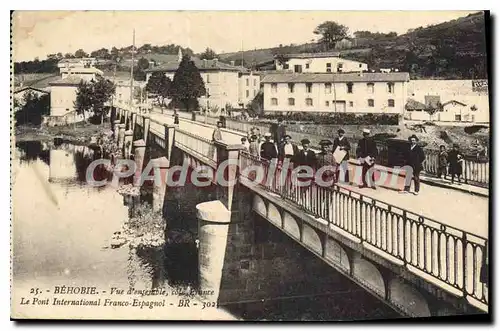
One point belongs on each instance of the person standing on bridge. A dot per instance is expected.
(455, 161)
(216, 136)
(442, 162)
(254, 147)
(288, 150)
(367, 152)
(279, 132)
(326, 161)
(268, 149)
(414, 158)
(176, 118)
(342, 143)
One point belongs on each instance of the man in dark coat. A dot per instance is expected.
(288, 149)
(268, 149)
(455, 161)
(367, 152)
(343, 144)
(325, 159)
(414, 158)
(279, 132)
(305, 156)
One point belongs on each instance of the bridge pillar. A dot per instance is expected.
(127, 144)
(213, 226)
(121, 135)
(169, 138)
(125, 117)
(139, 153)
(227, 170)
(160, 165)
(145, 126)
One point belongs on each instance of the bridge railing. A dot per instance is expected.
(197, 146)
(433, 249)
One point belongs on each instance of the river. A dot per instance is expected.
(62, 230)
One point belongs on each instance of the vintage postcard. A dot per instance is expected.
(250, 166)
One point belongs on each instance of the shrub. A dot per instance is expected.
(336, 118)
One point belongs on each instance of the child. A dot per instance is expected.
(442, 162)
(455, 161)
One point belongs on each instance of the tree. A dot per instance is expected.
(159, 85)
(68, 56)
(143, 64)
(431, 109)
(80, 53)
(102, 53)
(32, 109)
(331, 32)
(83, 101)
(187, 85)
(93, 96)
(208, 54)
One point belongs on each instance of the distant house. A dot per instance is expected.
(326, 62)
(449, 111)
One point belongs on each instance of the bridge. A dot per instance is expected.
(421, 255)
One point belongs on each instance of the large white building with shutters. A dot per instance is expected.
(335, 92)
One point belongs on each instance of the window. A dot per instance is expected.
(340, 66)
(349, 87)
(274, 101)
(371, 87)
(328, 67)
(298, 68)
(291, 87)
(291, 101)
(286, 66)
(327, 103)
(371, 103)
(309, 87)
(254, 82)
(390, 102)
(390, 87)
(247, 81)
(309, 102)
(307, 65)
(248, 93)
(361, 65)
(254, 92)
(328, 88)
(274, 87)
(458, 118)
(208, 78)
(351, 103)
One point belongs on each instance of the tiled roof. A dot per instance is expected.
(202, 65)
(454, 101)
(20, 89)
(311, 55)
(414, 105)
(336, 77)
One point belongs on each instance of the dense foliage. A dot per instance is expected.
(32, 108)
(337, 118)
(92, 97)
(159, 86)
(187, 85)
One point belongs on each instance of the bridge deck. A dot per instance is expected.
(455, 208)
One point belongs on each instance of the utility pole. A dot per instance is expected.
(334, 94)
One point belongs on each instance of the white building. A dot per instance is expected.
(226, 84)
(328, 92)
(328, 62)
(63, 94)
(455, 93)
(77, 62)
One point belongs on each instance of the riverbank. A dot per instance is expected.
(78, 134)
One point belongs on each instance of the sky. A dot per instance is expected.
(38, 33)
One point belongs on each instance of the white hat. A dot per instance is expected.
(267, 134)
(366, 131)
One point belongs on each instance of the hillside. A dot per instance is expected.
(454, 50)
